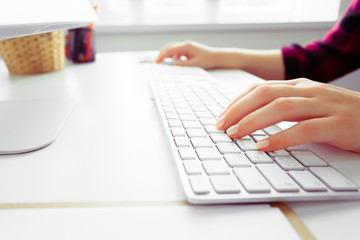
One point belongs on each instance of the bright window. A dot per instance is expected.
(170, 12)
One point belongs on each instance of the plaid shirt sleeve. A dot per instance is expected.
(337, 54)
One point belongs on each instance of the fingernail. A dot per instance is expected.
(262, 144)
(232, 130)
(220, 123)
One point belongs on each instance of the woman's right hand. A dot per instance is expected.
(196, 54)
(323, 112)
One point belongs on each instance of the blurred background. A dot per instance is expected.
(131, 25)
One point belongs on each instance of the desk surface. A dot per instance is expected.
(102, 154)
(107, 134)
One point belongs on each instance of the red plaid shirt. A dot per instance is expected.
(337, 54)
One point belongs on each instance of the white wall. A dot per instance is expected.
(258, 39)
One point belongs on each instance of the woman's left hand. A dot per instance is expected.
(323, 112)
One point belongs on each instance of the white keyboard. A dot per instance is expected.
(214, 168)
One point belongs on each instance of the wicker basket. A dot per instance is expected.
(34, 54)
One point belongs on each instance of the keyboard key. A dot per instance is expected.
(258, 138)
(308, 181)
(225, 184)
(258, 133)
(190, 97)
(200, 184)
(192, 167)
(216, 167)
(184, 111)
(196, 132)
(174, 123)
(335, 180)
(246, 144)
(171, 116)
(204, 115)
(237, 160)
(212, 129)
(272, 130)
(298, 148)
(178, 132)
(228, 148)
(196, 103)
(279, 153)
(289, 163)
(165, 103)
(200, 142)
(191, 124)
(207, 121)
(278, 179)
(176, 99)
(216, 113)
(199, 108)
(247, 137)
(209, 102)
(309, 159)
(258, 157)
(224, 102)
(208, 154)
(186, 153)
(215, 107)
(182, 142)
(187, 117)
(220, 137)
(168, 109)
(180, 105)
(252, 180)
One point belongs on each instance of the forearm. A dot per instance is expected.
(267, 64)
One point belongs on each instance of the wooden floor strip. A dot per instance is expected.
(288, 212)
(295, 221)
(89, 204)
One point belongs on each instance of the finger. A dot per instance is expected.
(312, 130)
(162, 51)
(191, 62)
(256, 99)
(280, 83)
(172, 51)
(292, 109)
(238, 98)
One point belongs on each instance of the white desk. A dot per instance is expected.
(111, 151)
(107, 134)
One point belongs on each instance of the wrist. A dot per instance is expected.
(267, 64)
(229, 59)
